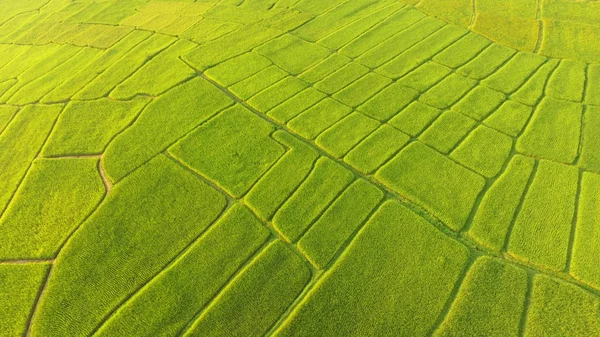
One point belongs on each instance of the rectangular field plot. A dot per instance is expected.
(246, 150)
(339, 221)
(325, 182)
(398, 272)
(183, 289)
(490, 301)
(434, 182)
(554, 131)
(498, 207)
(543, 226)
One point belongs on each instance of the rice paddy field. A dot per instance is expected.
(299, 168)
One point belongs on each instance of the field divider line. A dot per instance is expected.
(527, 304)
(166, 148)
(416, 208)
(37, 301)
(574, 222)
(371, 12)
(210, 302)
(172, 262)
(321, 273)
(371, 28)
(519, 206)
(454, 294)
(27, 261)
(37, 156)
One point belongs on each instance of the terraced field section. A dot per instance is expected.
(299, 168)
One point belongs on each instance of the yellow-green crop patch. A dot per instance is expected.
(266, 168)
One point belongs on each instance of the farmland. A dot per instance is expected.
(299, 168)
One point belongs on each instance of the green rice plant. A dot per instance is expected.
(533, 90)
(337, 18)
(543, 226)
(89, 34)
(415, 118)
(388, 102)
(458, 12)
(11, 52)
(255, 299)
(236, 69)
(326, 236)
(487, 62)
(7, 113)
(510, 118)
(6, 85)
(376, 149)
(38, 88)
(350, 32)
(515, 72)
(485, 150)
(362, 89)
(462, 51)
(512, 31)
(593, 85)
(447, 92)
(318, 118)
(131, 244)
(87, 127)
(400, 42)
(157, 75)
(292, 54)
(296, 105)
(110, 37)
(277, 93)
(447, 131)
(398, 272)
(321, 187)
(285, 19)
(520, 8)
(553, 132)
(401, 20)
(433, 181)
(177, 294)
(425, 76)
(77, 81)
(316, 8)
(568, 81)
(258, 82)
(226, 46)
(479, 103)
(421, 52)
(345, 134)
(34, 70)
(499, 205)
(20, 284)
(272, 190)
(585, 242)
(158, 21)
(20, 144)
(207, 30)
(568, 39)
(325, 68)
(246, 150)
(490, 301)
(125, 67)
(181, 25)
(559, 308)
(232, 12)
(590, 158)
(345, 76)
(154, 130)
(54, 198)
